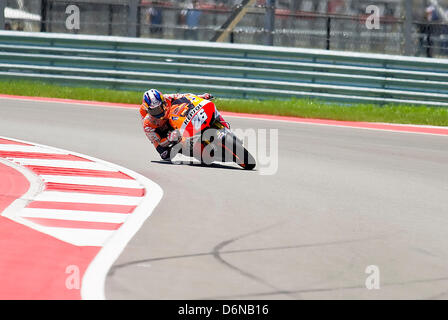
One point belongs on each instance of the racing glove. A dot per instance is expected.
(208, 96)
(174, 136)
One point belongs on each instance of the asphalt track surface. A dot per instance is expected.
(341, 200)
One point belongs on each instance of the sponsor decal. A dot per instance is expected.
(191, 114)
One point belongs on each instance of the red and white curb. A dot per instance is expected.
(80, 200)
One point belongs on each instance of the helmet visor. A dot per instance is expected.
(157, 111)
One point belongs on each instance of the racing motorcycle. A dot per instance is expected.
(205, 135)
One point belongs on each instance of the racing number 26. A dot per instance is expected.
(199, 119)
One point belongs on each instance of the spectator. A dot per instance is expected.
(431, 14)
(154, 18)
(192, 17)
(180, 23)
(427, 30)
(20, 27)
(8, 26)
(444, 36)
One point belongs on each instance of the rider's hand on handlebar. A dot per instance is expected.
(208, 96)
(174, 136)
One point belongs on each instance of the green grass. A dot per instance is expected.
(43, 89)
(307, 108)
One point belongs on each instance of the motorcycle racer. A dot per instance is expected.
(154, 113)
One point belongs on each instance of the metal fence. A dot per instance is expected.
(299, 23)
(226, 70)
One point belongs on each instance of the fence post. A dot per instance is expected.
(270, 22)
(408, 43)
(43, 15)
(2, 14)
(328, 32)
(133, 18)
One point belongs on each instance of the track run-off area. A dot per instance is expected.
(344, 197)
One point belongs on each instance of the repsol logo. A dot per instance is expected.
(191, 114)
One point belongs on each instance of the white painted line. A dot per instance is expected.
(105, 182)
(79, 237)
(36, 186)
(74, 215)
(56, 196)
(62, 164)
(391, 129)
(19, 148)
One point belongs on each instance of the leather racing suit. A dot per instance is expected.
(158, 129)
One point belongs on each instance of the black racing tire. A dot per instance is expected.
(233, 148)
